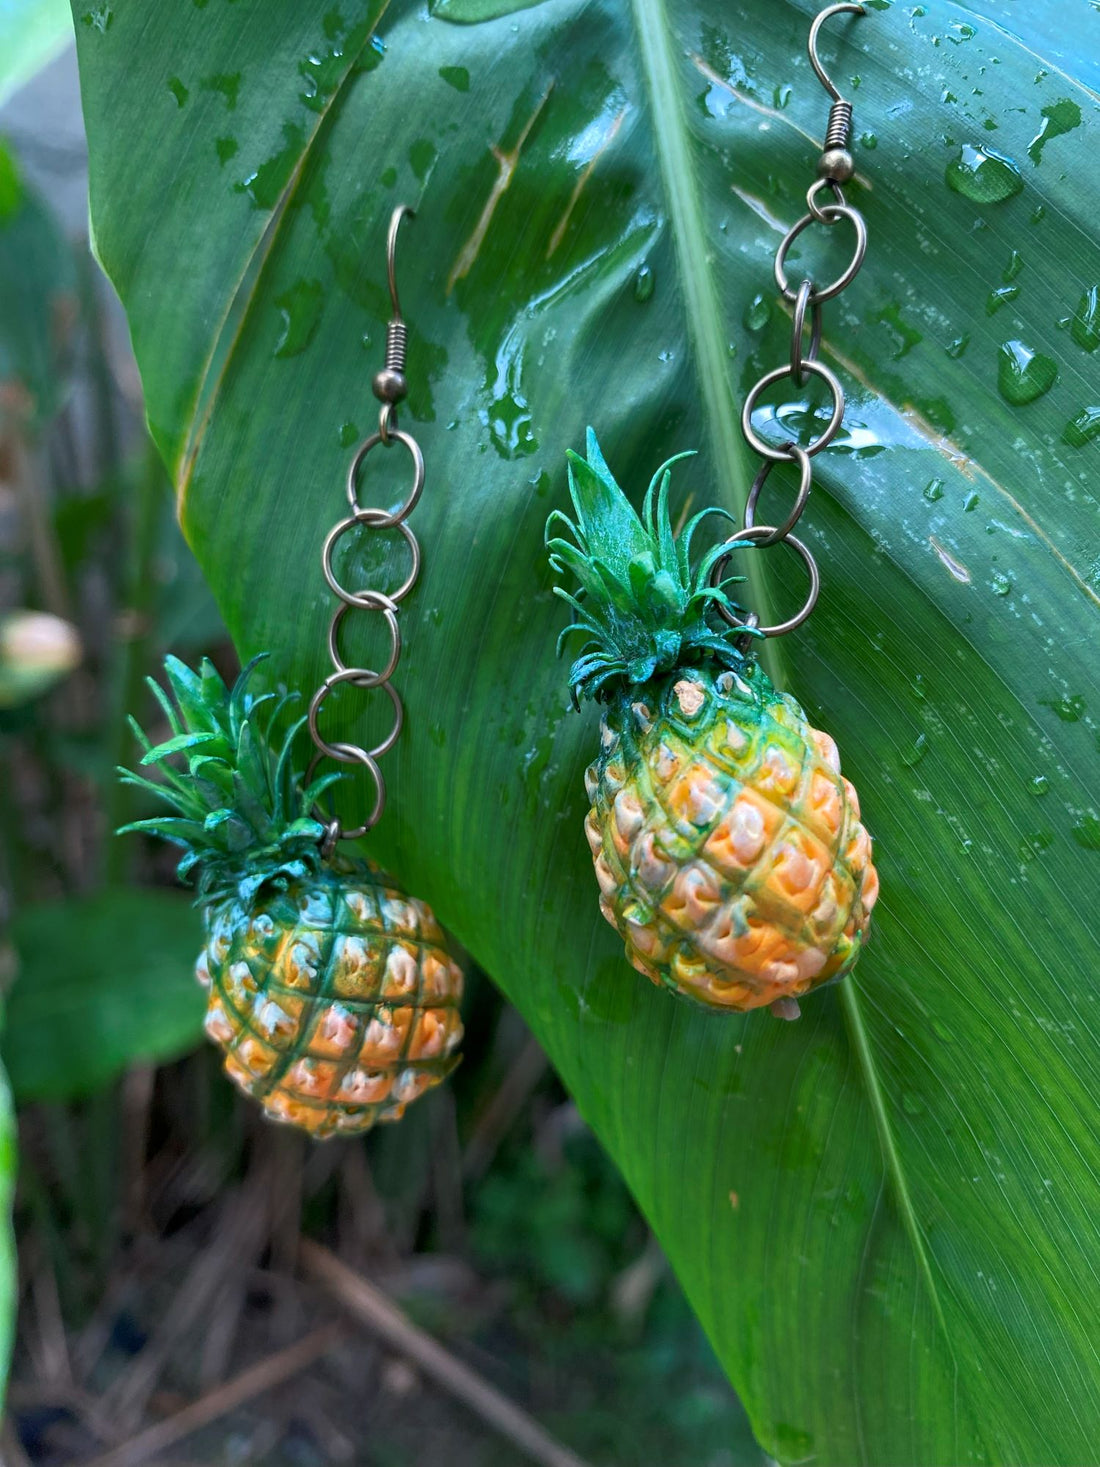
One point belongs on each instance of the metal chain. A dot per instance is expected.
(390, 388)
(834, 168)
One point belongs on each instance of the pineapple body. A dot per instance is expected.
(727, 843)
(333, 997)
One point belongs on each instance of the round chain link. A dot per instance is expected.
(835, 167)
(390, 388)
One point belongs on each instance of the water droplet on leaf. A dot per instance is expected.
(1083, 427)
(1058, 118)
(1024, 374)
(300, 308)
(644, 283)
(757, 313)
(980, 174)
(1085, 326)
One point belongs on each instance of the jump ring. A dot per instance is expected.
(798, 328)
(766, 535)
(377, 518)
(353, 754)
(346, 753)
(816, 209)
(393, 435)
(766, 450)
(389, 611)
(827, 215)
(802, 458)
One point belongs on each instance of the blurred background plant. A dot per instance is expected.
(183, 1267)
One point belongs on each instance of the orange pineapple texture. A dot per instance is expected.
(334, 1000)
(727, 843)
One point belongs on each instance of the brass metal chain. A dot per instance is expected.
(390, 388)
(834, 169)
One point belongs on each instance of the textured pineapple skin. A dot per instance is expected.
(727, 844)
(334, 1000)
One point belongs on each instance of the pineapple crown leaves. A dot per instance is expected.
(642, 604)
(239, 809)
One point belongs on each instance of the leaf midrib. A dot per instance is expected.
(701, 299)
(701, 303)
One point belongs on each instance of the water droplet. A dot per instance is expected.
(1000, 585)
(920, 747)
(906, 337)
(1069, 709)
(226, 84)
(1024, 374)
(933, 490)
(437, 732)
(422, 156)
(757, 313)
(1085, 326)
(956, 348)
(1058, 118)
(326, 66)
(300, 308)
(980, 174)
(782, 96)
(99, 18)
(456, 76)
(349, 434)
(1082, 428)
(1000, 297)
(1038, 214)
(959, 31)
(178, 90)
(1039, 785)
(868, 140)
(644, 282)
(226, 148)
(1086, 833)
(1013, 268)
(971, 502)
(266, 183)
(388, 177)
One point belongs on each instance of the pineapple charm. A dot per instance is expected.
(727, 844)
(330, 991)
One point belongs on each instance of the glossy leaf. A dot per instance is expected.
(884, 1214)
(103, 982)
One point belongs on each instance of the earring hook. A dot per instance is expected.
(811, 45)
(391, 253)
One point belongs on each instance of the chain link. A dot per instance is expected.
(835, 167)
(389, 387)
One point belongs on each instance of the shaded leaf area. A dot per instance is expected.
(102, 982)
(883, 1214)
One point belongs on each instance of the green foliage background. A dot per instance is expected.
(884, 1215)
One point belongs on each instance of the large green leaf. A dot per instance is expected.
(884, 1214)
(103, 981)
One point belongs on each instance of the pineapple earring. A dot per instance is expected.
(728, 845)
(330, 991)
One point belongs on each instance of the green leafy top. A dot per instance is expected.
(240, 810)
(642, 603)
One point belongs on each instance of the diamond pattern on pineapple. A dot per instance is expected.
(298, 1004)
(729, 853)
